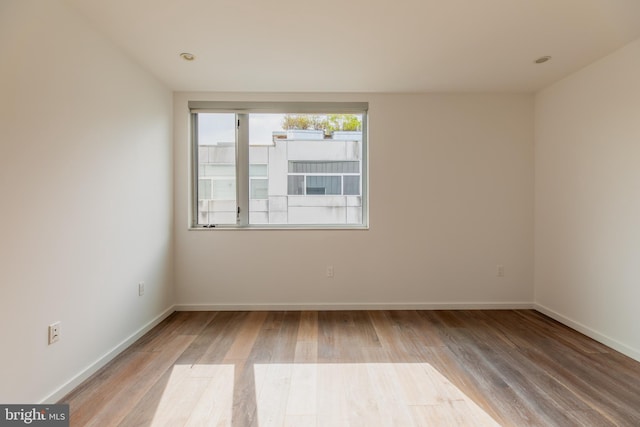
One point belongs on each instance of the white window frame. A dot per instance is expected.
(243, 190)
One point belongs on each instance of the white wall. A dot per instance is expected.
(86, 197)
(451, 196)
(587, 200)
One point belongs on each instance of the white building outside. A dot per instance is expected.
(301, 177)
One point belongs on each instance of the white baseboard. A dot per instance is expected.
(591, 333)
(102, 361)
(356, 306)
(111, 354)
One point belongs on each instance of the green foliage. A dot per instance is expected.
(328, 123)
(344, 122)
(296, 121)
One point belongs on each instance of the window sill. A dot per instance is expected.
(282, 228)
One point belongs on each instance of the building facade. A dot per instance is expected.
(301, 177)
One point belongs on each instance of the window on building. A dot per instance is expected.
(324, 178)
(271, 164)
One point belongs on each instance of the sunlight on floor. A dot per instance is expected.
(197, 395)
(367, 394)
(310, 394)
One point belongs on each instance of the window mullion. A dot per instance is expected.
(194, 170)
(242, 168)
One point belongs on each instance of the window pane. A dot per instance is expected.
(219, 170)
(224, 189)
(204, 189)
(296, 185)
(258, 170)
(216, 163)
(351, 185)
(263, 207)
(259, 189)
(308, 156)
(323, 185)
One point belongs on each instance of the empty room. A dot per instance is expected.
(338, 213)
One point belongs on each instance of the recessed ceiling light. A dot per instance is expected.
(542, 59)
(187, 56)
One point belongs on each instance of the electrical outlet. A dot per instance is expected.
(500, 270)
(330, 271)
(140, 288)
(54, 332)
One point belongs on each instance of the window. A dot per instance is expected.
(308, 178)
(216, 168)
(272, 164)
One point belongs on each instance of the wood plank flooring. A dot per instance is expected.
(362, 368)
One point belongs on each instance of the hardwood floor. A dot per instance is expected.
(362, 368)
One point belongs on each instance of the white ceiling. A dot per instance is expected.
(364, 45)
